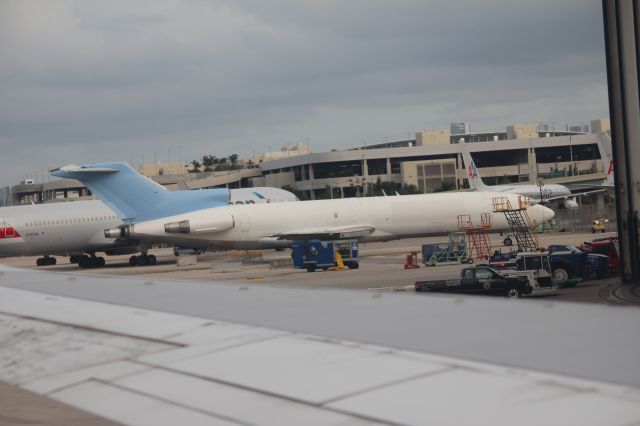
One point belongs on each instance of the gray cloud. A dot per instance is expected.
(90, 81)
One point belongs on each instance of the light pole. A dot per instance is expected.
(540, 183)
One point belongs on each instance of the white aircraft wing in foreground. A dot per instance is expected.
(168, 352)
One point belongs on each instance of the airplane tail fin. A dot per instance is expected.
(604, 145)
(475, 181)
(135, 197)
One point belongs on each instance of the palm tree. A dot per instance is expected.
(233, 158)
(208, 162)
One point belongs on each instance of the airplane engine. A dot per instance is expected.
(119, 232)
(189, 226)
(571, 204)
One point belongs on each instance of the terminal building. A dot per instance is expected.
(430, 162)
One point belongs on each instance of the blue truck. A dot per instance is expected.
(316, 254)
(567, 263)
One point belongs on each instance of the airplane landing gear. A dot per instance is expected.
(142, 260)
(92, 261)
(46, 261)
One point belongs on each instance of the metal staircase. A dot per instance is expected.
(477, 236)
(519, 223)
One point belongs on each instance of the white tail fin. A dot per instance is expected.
(604, 145)
(475, 181)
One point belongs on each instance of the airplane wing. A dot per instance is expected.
(577, 194)
(165, 352)
(337, 233)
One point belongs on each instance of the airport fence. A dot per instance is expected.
(581, 219)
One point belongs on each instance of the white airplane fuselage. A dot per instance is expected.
(534, 192)
(73, 228)
(388, 218)
(60, 229)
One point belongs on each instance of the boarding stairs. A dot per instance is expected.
(519, 223)
(477, 236)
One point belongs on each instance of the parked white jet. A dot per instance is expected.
(276, 225)
(365, 219)
(74, 228)
(537, 194)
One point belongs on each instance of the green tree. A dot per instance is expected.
(223, 164)
(409, 189)
(446, 186)
(384, 187)
(195, 167)
(233, 159)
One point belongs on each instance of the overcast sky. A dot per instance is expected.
(86, 81)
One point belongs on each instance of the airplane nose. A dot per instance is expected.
(547, 214)
(541, 214)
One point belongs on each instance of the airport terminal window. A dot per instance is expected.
(432, 170)
(567, 153)
(586, 152)
(337, 169)
(396, 162)
(377, 166)
(508, 157)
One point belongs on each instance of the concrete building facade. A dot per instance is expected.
(430, 162)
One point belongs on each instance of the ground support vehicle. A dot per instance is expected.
(536, 268)
(316, 254)
(479, 280)
(456, 250)
(567, 262)
(607, 247)
(598, 225)
(500, 260)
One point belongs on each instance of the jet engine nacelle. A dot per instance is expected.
(186, 226)
(121, 231)
(198, 225)
(571, 204)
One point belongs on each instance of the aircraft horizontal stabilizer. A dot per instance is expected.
(72, 168)
(339, 233)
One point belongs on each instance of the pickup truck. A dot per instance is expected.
(479, 280)
(567, 261)
(607, 246)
